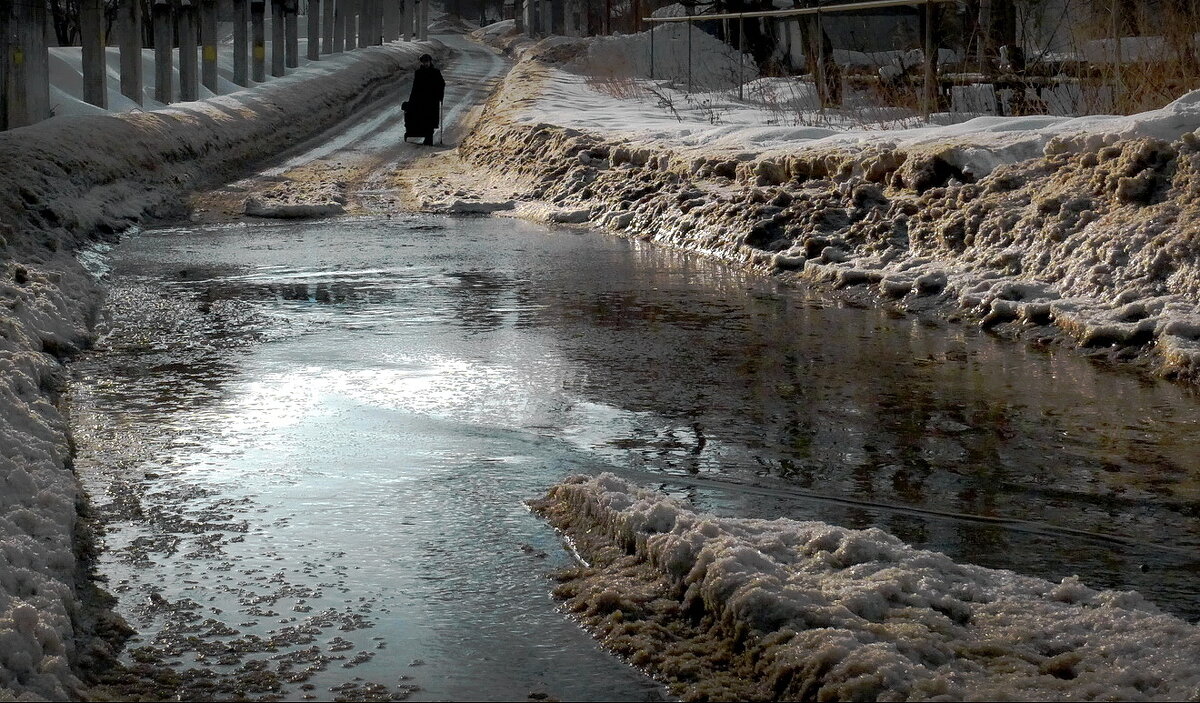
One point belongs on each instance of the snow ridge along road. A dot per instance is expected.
(67, 183)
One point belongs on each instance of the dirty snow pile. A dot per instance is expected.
(794, 610)
(68, 182)
(45, 312)
(1084, 230)
(290, 200)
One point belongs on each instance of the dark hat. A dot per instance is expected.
(426, 57)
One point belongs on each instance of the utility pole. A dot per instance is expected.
(95, 68)
(208, 44)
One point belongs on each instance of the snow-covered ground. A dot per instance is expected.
(810, 611)
(1087, 226)
(67, 182)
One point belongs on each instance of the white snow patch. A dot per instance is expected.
(708, 63)
(859, 615)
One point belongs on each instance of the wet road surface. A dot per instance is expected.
(311, 444)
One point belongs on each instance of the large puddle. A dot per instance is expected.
(311, 445)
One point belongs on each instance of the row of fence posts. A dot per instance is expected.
(334, 26)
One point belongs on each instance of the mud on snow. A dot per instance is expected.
(1095, 244)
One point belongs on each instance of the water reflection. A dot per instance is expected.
(391, 394)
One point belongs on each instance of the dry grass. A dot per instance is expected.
(615, 78)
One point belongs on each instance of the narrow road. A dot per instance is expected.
(309, 444)
(358, 158)
(328, 544)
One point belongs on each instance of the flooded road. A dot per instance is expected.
(311, 445)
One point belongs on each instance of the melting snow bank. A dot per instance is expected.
(738, 609)
(1048, 230)
(66, 182)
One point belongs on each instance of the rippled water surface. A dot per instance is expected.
(312, 443)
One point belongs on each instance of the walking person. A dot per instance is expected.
(422, 111)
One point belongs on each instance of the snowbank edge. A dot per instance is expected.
(744, 609)
(1094, 245)
(69, 183)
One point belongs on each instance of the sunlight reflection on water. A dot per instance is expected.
(347, 422)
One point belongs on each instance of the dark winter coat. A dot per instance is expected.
(421, 111)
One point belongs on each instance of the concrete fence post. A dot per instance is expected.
(28, 61)
(339, 26)
(258, 11)
(208, 44)
(37, 62)
(314, 30)
(327, 30)
(689, 56)
(241, 41)
(278, 39)
(95, 66)
(291, 31)
(370, 22)
(189, 87)
(5, 67)
(365, 15)
(350, 23)
(391, 20)
(364, 23)
(927, 87)
(164, 59)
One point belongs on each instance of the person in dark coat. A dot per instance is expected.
(421, 112)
